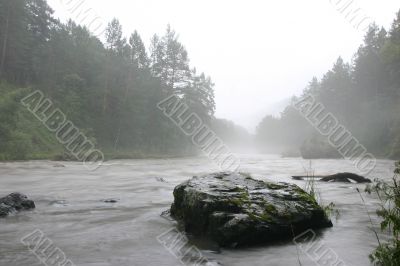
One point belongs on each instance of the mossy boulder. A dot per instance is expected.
(234, 209)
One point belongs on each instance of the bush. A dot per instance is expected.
(388, 254)
(19, 146)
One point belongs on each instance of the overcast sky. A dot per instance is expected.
(257, 52)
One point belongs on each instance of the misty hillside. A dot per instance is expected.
(109, 90)
(363, 95)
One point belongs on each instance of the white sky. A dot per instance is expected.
(257, 52)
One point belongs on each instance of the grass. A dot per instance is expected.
(310, 182)
(315, 195)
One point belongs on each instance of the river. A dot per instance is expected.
(71, 211)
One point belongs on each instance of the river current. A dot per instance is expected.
(112, 216)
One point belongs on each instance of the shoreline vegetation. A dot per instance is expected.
(388, 192)
(108, 89)
(132, 155)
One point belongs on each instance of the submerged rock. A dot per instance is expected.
(160, 179)
(345, 177)
(110, 200)
(340, 177)
(234, 209)
(15, 202)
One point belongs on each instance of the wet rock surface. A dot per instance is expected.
(15, 202)
(234, 209)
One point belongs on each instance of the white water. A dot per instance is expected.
(70, 211)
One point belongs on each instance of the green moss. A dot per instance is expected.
(238, 189)
(240, 199)
(257, 216)
(270, 208)
(265, 217)
(275, 186)
(306, 197)
(252, 216)
(236, 202)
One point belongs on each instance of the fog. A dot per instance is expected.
(259, 53)
(205, 133)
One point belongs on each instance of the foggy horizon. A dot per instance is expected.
(239, 51)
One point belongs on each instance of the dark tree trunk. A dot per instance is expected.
(5, 42)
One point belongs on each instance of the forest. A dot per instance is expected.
(364, 95)
(109, 86)
(109, 89)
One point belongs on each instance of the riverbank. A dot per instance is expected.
(108, 156)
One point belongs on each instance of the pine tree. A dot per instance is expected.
(369, 74)
(176, 72)
(138, 51)
(115, 41)
(170, 62)
(199, 96)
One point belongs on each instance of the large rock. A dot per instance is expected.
(234, 209)
(15, 202)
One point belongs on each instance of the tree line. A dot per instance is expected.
(109, 90)
(363, 95)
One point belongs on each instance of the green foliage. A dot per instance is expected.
(389, 194)
(18, 146)
(110, 91)
(22, 136)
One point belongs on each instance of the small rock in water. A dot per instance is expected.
(110, 200)
(15, 202)
(160, 179)
(234, 209)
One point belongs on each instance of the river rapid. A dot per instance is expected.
(71, 211)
